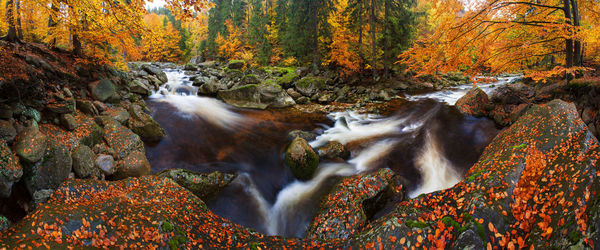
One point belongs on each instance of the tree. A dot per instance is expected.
(11, 34)
(501, 35)
(258, 32)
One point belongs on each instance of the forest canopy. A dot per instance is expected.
(378, 37)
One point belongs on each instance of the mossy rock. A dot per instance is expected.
(287, 80)
(310, 85)
(302, 159)
(236, 64)
(205, 186)
(10, 170)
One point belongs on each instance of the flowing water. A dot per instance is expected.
(423, 139)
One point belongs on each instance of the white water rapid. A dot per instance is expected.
(180, 93)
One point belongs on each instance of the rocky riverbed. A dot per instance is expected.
(74, 169)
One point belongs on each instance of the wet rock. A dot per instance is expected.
(139, 87)
(67, 106)
(100, 106)
(212, 87)
(41, 196)
(32, 114)
(473, 103)
(341, 213)
(326, 98)
(121, 139)
(274, 95)
(205, 186)
(302, 71)
(68, 122)
(143, 125)
(333, 150)
(468, 240)
(102, 90)
(30, 145)
(236, 64)
(507, 95)
(518, 111)
(156, 71)
(83, 161)
(207, 64)
(106, 163)
(197, 60)
(134, 165)
(7, 131)
(303, 100)
(308, 136)
(301, 159)
(257, 96)
(51, 171)
(310, 85)
(86, 107)
(10, 170)
(251, 79)
(190, 67)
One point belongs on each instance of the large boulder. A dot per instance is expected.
(133, 165)
(212, 87)
(106, 164)
(30, 145)
(120, 138)
(301, 159)
(102, 90)
(310, 85)
(205, 186)
(83, 161)
(140, 86)
(51, 171)
(474, 103)
(10, 169)
(342, 213)
(287, 80)
(156, 71)
(120, 114)
(334, 150)
(257, 96)
(143, 125)
(236, 64)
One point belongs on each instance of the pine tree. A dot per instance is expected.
(258, 31)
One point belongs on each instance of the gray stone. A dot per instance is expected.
(102, 90)
(41, 196)
(83, 161)
(205, 186)
(134, 165)
(7, 131)
(68, 122)
(10, 170)
(106, 163)
(143, 125)
(86, 107)
(51, 171)
(301, 159)
(30, 145)
(308, 86)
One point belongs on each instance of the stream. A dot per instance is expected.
(423, 138)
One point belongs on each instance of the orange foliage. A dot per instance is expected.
(341, 46)
(160, 43)
(230, 47)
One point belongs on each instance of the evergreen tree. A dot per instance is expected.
(258, 31)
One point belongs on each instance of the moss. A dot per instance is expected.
(287, 79)
(475, 175)
(574, 236)
(310, 80)
(417, 224)
(254, 245)
(522, 145)
(167, 227)
(248, 86)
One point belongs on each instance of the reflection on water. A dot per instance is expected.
(429, 143)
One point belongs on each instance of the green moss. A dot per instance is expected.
(254, 245)
(475, 175)
(417, 224)
(310, 80)
(287, 79)
(522, 145)
(574, 236)
(167, 227)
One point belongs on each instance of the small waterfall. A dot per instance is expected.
(365, 159)
(180, 93)
(437, 172)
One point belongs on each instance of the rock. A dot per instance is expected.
(205, 186)
(293, 93)
(301, 159)
(5, 112)
(102, 90)
(190, 67)
(274, 95)
(507, 95)
(67, 106)
(326, 98)
(121, 139)
(100, 106)
(4, 224)
(236, 64)
(140, 87)
(32, 114)
(257, 96)
(250, 79)
(120, 114)
(156, 71)
(41, 196)
(333, 150)
(302, 71)
(341, 213)
(134, 165)
(199, 81)
(10, 170)
(588, 115)
(308, 136)
(310, 85)
(83, 161)
(468, 240)
(87, 107)
(197, 60)
(207, 64)
(51, 171)
(106, 163)
(303, 100)
(7, 131)
(30, 145)
(143, 125)
(518, 111)
(287, 80)
(473, 103)
(212, 87)
(68, 121)
(500, 115)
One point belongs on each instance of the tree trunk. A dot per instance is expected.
(577, 55)
(568, 42)
(11, 34)
(373, 47)
(386, 42)
(315, 35)
(18, 14)
(360, 37)
(76, 45)
(52, 24)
